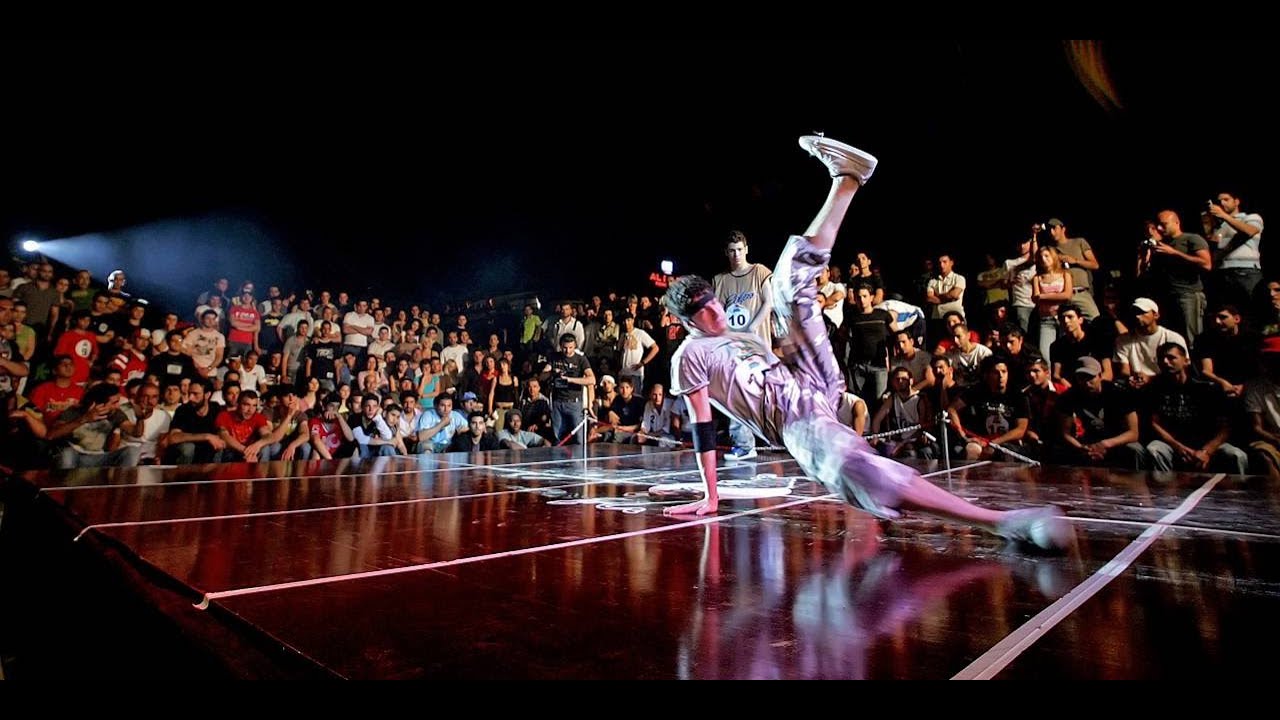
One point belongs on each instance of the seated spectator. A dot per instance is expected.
(1189, 419)
(1098, 422)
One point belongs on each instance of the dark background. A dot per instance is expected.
(427, 172)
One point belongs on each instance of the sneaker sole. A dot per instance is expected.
(861, 157)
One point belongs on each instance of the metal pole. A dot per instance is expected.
(946, 445)
(1014, 455)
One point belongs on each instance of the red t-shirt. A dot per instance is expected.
(244, 314)
(331, 436)
(82, 346)
(130, 366)
(50, 400)
(244, 431)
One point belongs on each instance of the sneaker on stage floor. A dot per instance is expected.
(840, 159)
(740, 454)
(1045, 527)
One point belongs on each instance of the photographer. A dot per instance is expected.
(1237, 241)
(1176, 263)
(569, 374)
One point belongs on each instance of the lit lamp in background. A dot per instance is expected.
(31, 245)
(663, 279)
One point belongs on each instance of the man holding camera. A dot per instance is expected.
(1177, 260)
(1237, 254)
(570, 373)
(1077, 256)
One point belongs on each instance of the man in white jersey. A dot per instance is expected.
(793, 400)
(747, 298)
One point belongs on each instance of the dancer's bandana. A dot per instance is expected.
(703, 301)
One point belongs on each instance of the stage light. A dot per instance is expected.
(30, 245)
(668, 267)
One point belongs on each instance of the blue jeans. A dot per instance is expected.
(1023, 316)
(740, 435)
(1191, 304)
(565, 416)
(1227, 457)
(1046, 333)
(69, 458)
(365, 451)
(189, 453)
(869, 381)
(1236, 285)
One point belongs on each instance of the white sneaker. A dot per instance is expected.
(839, 158)
(1045, 527)
(740, 454)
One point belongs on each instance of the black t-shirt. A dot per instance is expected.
(1174, 273)
(186, 419)
(1067, 351)
(992, 414)
(1235, 357)
(1041, 404)
(170, 368)
(567, 367)
(323, 356)
(463, 442)
(1190, 411)
(537, 412)
(1017, 365)
(268, 340)
(109, 322)
(1098, 415)
(1102, 331)
(629, 412)
(851, 296)
(867, 335)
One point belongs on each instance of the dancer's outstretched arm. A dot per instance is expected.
(700, 410)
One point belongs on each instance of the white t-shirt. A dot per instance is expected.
(1249, 254)
(844, 413)
(378, 348)
(456, 353)
(1263, 396)
(634, 346)
(966, 364)
(253, 379)
(152, 428)
(657, 421)
(732, 366)
(1020, 290)
(357, 320)
(203, 345)
(903, 313)
(835, 313)
(1139, 351)
(942, 286)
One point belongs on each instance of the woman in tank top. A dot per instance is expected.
(1050, 288)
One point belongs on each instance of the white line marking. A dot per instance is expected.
(638, 480)
(209, 597)
(1007, 650)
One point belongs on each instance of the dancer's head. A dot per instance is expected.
(693, 300)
